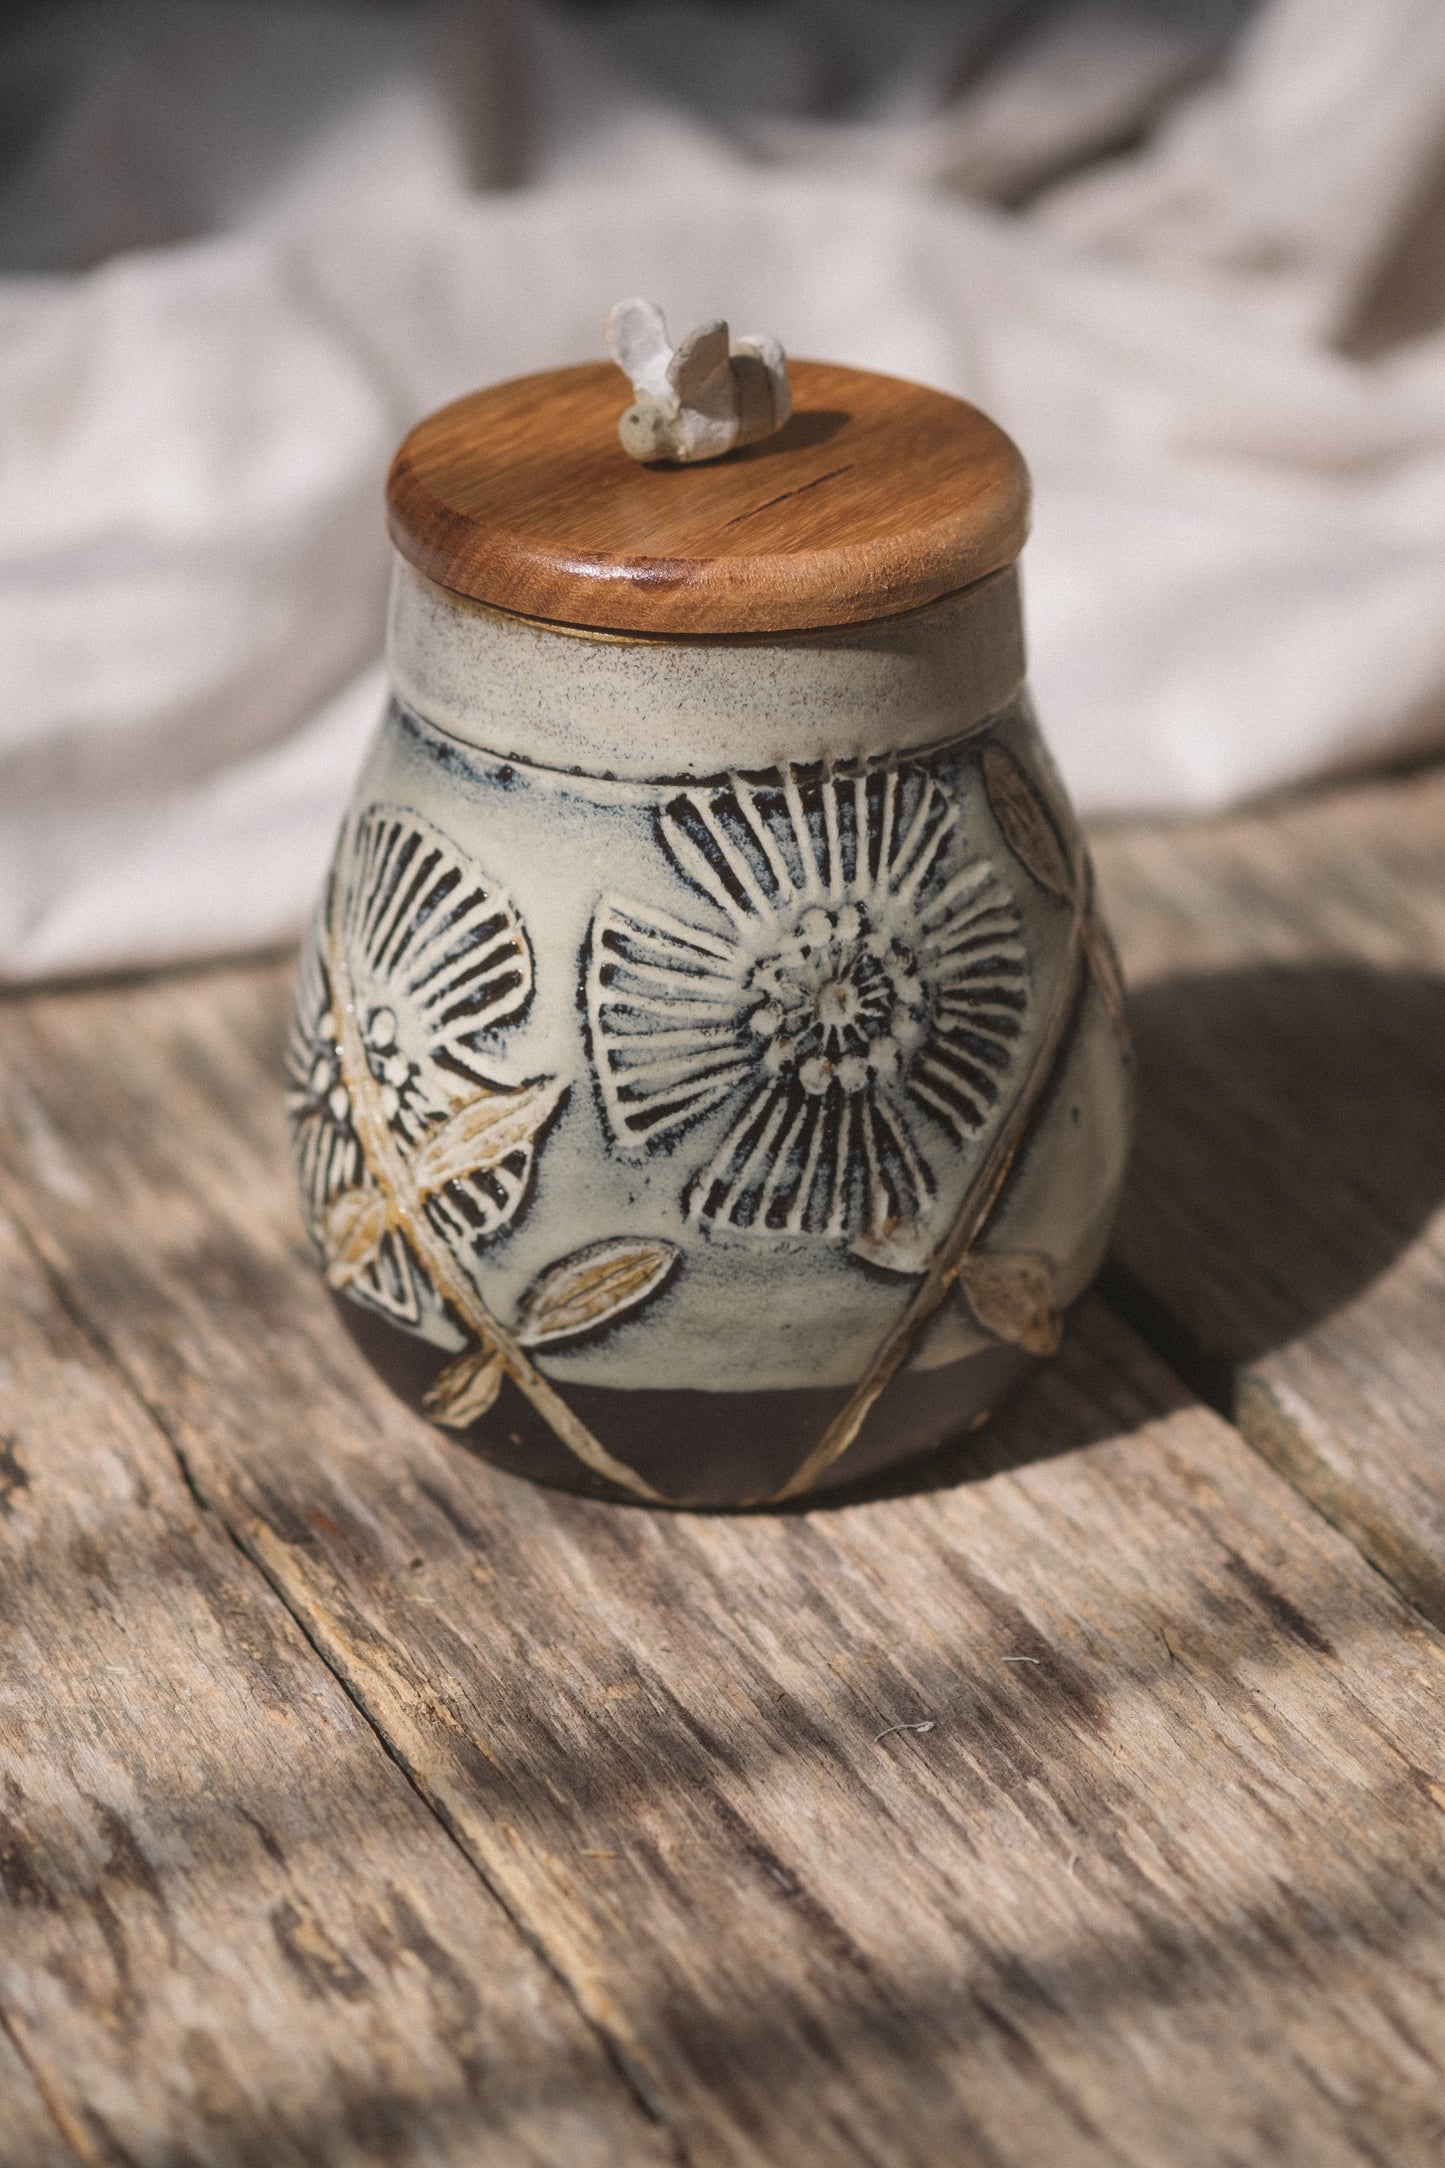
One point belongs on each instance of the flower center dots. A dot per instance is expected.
(841, 1003)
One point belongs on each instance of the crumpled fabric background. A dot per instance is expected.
(1191, 255)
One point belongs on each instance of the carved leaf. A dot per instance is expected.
(1013, 1296)
(593, 1287)
(355, 1226)
(1104, 964)
(1027, 828)
(483, 1133)
(465, 1389)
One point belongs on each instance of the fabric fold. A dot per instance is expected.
(249, 246)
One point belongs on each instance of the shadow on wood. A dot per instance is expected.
(1290, 1149)
(1039, 1422)
(799, 433)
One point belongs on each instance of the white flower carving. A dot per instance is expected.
(855, 972)
(435, 959)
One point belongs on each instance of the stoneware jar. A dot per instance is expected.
(709, 1079)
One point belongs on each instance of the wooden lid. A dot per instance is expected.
(876, 497)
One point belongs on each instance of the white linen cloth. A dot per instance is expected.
(248, 246)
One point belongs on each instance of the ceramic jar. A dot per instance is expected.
(709, 1079)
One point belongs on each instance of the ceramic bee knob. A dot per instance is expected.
(709, 1079)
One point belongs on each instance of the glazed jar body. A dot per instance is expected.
(670, 1003)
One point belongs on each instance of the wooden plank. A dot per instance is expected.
(1283, 1237)
(230, 1932)
(1163, 1883)
(29, 2133)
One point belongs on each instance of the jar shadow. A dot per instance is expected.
(1289, 1151)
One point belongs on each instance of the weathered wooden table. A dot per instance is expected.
(1080, 1800)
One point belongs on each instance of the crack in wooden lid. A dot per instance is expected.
(877, 497)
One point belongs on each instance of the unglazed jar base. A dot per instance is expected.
(695, 1033)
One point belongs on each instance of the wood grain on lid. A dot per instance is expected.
(878, 496)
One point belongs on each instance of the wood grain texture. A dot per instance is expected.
(876, 497)
(1163, 1882)
(30, 2131)
(230, 1933)
(1283, 1235)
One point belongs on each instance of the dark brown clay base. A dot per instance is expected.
(703, 1449)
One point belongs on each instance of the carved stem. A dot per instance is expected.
(972, 1217)
(390, 1171)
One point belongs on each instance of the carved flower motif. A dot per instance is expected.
(858, 985)
(434, 959)
(841, 1003)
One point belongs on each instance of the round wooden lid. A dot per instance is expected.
(877, 496)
